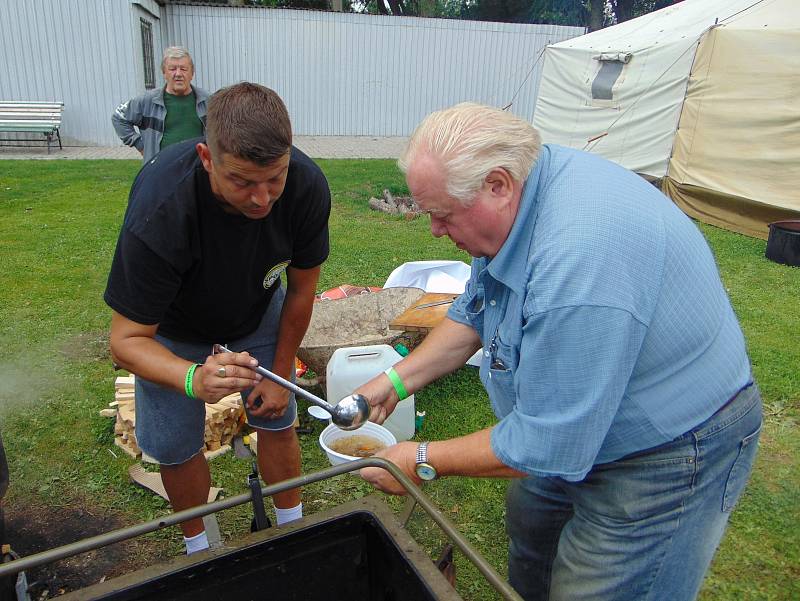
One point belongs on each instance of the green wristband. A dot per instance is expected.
(399, 387)
(187, 383)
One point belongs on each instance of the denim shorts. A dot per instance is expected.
(643, 527)
(170, 427)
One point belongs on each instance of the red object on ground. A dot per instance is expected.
(345, 291)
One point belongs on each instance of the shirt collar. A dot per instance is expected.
(513, 255)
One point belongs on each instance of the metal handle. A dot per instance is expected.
(434, 304)
(285, 383)
(115, 536)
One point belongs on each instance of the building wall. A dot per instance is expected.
(364, 75)
(339, 73)
(85, 53)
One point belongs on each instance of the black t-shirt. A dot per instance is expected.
(202, 274)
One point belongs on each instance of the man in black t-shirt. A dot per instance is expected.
(210, 228)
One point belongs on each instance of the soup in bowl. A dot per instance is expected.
(342, 446)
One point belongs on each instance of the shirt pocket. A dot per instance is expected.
(499, 363)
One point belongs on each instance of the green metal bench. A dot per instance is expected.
(31, 117)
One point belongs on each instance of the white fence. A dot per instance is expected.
(339, 74)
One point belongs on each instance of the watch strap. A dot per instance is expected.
(422, 452)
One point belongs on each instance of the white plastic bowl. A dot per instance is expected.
(332, 432)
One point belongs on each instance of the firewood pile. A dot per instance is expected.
(396, 205)
(224, 420)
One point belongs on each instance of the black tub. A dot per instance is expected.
(783, 244)
(358, 552)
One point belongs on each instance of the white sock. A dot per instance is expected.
(282, 516)
(198, 542)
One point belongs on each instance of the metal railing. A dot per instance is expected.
(115, 536)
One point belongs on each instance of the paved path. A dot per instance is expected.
(318, 147)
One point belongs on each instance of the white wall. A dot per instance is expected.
(363, 75)
(339, 74)
(80, 52)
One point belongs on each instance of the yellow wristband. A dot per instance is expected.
(399, 387)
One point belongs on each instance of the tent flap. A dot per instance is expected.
(739, 133)
(732, 213)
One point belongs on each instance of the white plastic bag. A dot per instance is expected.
(431, 276)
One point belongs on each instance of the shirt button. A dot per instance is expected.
(493, 302)
(485, 353)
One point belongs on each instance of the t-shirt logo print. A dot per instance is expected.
(274, 273)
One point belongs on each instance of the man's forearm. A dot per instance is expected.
(444, 350)
(124, 119)
(150, 360)
(295, 317)
(469, 455)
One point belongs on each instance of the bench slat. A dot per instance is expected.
(31, 104)
(15, 122)
(44, 128)
(16, 117)
(43, 118)
(32, 111)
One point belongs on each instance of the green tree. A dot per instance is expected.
(624, 10)
(556, 12)
(593, 14)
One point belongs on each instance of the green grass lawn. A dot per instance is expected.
(58, 227)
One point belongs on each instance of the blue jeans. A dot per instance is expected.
(644, 527)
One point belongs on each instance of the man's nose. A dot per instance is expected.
(437, 228)
(261, 195)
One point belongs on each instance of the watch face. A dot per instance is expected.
(426, 471)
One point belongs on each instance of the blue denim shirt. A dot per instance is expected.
(606, 328)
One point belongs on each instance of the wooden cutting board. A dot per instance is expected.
(425, 319)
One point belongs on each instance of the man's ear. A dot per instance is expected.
(499, 182)
(204, 152)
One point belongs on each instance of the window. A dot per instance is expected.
(611, 65)
(147, 55)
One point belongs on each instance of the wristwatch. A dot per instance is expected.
(425, 471)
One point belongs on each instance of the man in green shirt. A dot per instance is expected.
(164, 116)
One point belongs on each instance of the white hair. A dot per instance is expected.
(176, 52)
(470, 140)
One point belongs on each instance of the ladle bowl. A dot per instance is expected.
(351, 412)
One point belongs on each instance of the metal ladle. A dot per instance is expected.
(348, 414)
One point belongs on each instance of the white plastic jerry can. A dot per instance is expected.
(350, 367)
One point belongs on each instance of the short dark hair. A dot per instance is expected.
(248, 121)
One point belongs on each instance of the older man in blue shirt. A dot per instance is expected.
(612, 358)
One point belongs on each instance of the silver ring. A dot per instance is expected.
(221, 372)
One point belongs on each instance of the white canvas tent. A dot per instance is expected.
(703, 95)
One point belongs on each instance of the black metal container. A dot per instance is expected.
(783, 244)
(358, 552)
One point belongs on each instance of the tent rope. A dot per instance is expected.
(527, 76)
(741, 11)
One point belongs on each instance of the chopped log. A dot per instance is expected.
(123, 382)
(119, 442)
(394, 205)
(224, 419)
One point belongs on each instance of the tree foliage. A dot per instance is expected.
(592, 14)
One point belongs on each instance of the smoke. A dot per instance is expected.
(24, 381)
